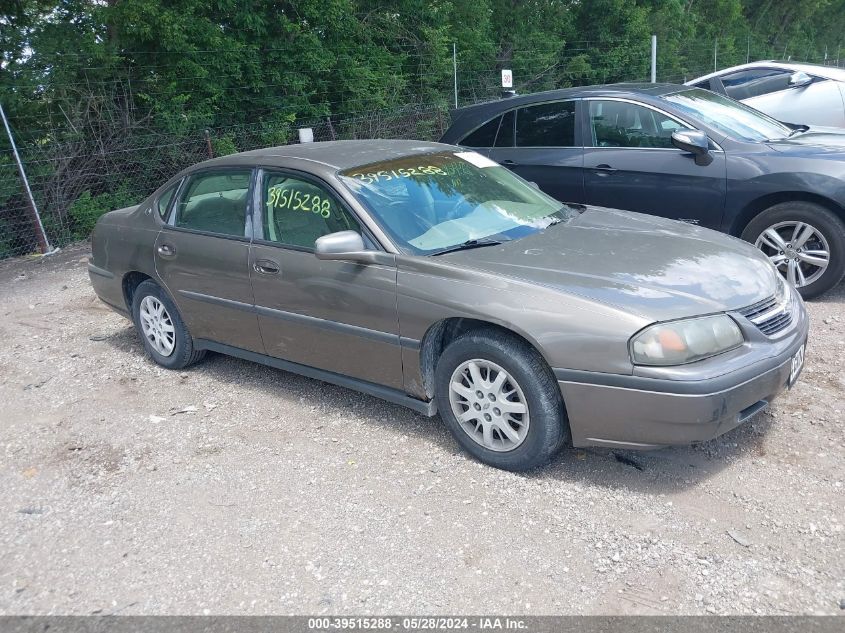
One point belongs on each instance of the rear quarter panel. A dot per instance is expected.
(122, 242)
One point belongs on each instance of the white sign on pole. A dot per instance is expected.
(507, 79)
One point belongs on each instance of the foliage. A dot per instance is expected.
(108, 97)
(87, 209)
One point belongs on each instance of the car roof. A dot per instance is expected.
(827, 72)
(608, 90)
(328, 156)
(467, 118)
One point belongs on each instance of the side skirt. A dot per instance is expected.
(385, 393)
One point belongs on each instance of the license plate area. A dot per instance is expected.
(797, 366)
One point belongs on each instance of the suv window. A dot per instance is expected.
(484, 136)
(754, 83)
(546, 125)
(215, 202)
(505, 136)
(622, 124)
(297, 212)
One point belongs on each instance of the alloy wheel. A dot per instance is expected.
(157, 325)
(797, 249)
(489, 405)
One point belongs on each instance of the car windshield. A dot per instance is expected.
(730, 117)
(432, 203)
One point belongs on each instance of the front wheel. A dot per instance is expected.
(804, 241)
(500, 400)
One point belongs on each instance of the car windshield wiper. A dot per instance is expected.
(468, 245)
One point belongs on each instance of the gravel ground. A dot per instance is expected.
(234, 488)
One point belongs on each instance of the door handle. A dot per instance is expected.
(509, 162)
(266, 267)
(604, 168)
(166, 250)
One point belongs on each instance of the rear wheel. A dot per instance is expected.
(500, 400)
(804, 241)
(163, 333)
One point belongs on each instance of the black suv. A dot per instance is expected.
(681, 153)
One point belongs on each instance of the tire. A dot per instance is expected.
(547, 426)
(182, 354)
(829, 235)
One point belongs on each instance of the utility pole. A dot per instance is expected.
(40, 234)
(455, 70)
(654, 59)
(715, 55)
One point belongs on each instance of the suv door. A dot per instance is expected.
(541, 143)
(630, 163)
(202, 257)
(333, 315)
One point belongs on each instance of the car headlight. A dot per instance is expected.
(680, 342)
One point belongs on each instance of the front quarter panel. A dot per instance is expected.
(569, 331)
(761, 176)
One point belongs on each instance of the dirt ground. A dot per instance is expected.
(234, 488)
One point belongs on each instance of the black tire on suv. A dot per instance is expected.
(794, 234)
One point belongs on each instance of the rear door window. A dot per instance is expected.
(164, 199)
(546, 125)
(215, 203)
(505, 136)
(484, 136)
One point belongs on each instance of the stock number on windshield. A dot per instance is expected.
(402, 172)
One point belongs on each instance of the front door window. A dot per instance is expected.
(623, 124)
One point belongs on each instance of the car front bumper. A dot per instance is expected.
(636, 412)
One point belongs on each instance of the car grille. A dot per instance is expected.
(769, 316)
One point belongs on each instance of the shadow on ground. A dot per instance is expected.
(656, 472)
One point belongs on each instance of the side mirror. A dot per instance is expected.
(799, 79)
(343, 246)
(695, 142)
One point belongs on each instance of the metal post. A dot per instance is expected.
(748, 48)
(715, 55)
(208, 146)
(41, 234)
(455, 70)
(654, 59)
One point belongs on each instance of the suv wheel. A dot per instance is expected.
(164, 334)
(500, 400)
(806, 243)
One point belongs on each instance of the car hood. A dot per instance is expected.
(656, 268)
(812, 141)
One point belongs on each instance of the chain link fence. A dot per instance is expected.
(76, 181)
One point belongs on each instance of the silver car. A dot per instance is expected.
(430, 276)
(796, 93)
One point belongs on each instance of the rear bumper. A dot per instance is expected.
(643, 413)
